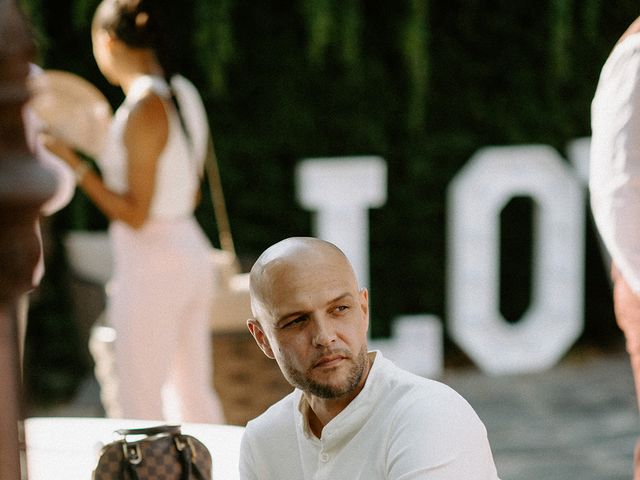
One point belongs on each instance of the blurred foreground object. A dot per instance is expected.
(72, 109)
(24, 187)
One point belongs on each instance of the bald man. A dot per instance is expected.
(353, 413)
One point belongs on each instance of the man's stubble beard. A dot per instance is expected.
(304, 382)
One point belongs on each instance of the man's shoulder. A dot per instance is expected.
(414, 394)
(396, 377)
(277, 419)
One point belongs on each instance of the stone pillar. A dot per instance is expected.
(24, 186)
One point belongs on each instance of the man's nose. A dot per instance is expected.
(324, 333)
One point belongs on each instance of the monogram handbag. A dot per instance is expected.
(158, 453)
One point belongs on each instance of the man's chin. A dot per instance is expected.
(320, 387)
(328, 391)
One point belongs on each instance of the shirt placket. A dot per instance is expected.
(326, 455)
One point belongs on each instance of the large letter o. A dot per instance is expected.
(554, 319)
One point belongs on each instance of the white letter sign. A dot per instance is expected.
(554, 319)
(342, 190)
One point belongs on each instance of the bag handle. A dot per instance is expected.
(170, 429)
(183, 446)
(217, 198)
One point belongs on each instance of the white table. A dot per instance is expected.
(66, 448)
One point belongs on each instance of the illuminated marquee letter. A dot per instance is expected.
(554, 319)
(341, 191)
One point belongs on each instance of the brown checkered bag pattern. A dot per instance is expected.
(110, 463)
(159, 459)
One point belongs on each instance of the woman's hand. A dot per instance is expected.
(60, 149)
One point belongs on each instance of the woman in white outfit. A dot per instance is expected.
(160, 298)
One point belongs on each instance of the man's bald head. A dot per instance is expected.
(287, 257)
(307, 307)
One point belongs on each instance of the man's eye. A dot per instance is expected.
(295, 321)
(342, 308)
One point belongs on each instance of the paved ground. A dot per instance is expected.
(578, 421)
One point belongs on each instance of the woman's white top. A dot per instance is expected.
(614, 182)
(181, 162)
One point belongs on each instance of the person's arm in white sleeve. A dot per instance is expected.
(65, 178)
(65, 181)
(614, 180)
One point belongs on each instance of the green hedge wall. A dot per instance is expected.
(422, 83)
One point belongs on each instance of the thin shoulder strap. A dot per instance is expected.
(199, 132)
(217, 198)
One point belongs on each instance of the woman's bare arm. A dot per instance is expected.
(145, 136)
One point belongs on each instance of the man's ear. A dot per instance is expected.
(364, 302)
(260, 337)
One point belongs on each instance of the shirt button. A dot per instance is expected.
(324, 457)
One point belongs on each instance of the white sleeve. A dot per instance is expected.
(614, 179)
(65, 179)
(440, 439)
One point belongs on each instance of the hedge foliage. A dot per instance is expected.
(421, 83)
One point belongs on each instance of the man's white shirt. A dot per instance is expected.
(400, 427)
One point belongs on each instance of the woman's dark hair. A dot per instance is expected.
(139, 24)
(135, 22)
